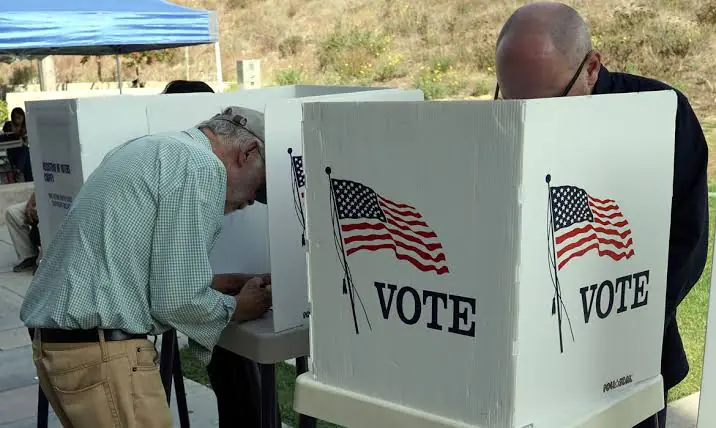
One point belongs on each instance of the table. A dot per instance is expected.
(257, 341)
(350, 409)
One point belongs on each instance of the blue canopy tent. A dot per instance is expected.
(102, 27)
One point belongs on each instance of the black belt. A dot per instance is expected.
(51, 335)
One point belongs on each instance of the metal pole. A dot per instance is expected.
(219, 75)
(186, 61)
(119, 73)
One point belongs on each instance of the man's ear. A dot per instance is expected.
(594, 64)
(246, 150)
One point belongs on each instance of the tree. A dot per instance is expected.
(137, 59)
(85, 59)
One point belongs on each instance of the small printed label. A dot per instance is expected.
(618, 383)
(60, 201)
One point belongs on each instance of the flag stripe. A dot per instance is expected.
(440, 270)
(610, 223)
(440, 257)
(571, 233)
(594, 237)
(409, 223)
(399, 213)
(395, 204)
(602, 201)
(380, 226)
(603, 253)
(422, 233)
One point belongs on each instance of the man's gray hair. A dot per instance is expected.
(234, 134)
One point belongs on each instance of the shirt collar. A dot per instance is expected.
(604, 82)
(197, 135)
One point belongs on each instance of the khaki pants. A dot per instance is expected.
(103, 384)
(19, 231)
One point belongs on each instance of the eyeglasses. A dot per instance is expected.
(569, 86)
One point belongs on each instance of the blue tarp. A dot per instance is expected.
(100, 27)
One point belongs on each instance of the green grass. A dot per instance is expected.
(285, 383)
(710, 132)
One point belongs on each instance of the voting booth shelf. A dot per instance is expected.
(71, 138)
(487, 264)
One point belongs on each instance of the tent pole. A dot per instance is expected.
(219, 77)
(119, 73)
(186, 61)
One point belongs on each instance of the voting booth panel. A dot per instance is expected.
(285, 186)
(489, 264)
(707, 398)
(73, 136)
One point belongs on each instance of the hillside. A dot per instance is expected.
(445, 48)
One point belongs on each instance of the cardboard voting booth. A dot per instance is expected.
(487, 264)
(707, 398)
(71, 137)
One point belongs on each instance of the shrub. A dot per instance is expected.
(291, 76)
(481, 88)
(290, 46)
(351, 53)
(4, 115)
(22, 76)
(438, 81)
(706, 13)
(390, 68)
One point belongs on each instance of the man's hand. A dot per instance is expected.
(231, 283)
(266, 278)
(253, 300)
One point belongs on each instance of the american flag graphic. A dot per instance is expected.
(298, 174)
(371, 222)
(583, 223)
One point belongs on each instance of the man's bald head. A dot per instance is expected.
(538, 46)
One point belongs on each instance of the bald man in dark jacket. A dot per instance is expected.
(552, 41)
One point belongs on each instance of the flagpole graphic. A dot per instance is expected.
(348, 284)
(298, 181)
(557, 302)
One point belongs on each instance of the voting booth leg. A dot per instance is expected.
(304, 421)
(43, 408)
(166, 362)
(182, 406)
(655, 421)
(269, 404)
(170, 367)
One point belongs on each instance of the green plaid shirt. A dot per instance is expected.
(133, 251)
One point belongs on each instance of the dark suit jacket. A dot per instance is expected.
(688, 242)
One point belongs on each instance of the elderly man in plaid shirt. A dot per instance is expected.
(131, 259)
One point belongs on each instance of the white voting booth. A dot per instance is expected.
(707, 397)
(487, 264)
(71, 137)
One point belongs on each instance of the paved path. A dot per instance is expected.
(18, 386)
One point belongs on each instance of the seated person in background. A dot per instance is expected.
(19, 157)
(234, 379)
(21, 218)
